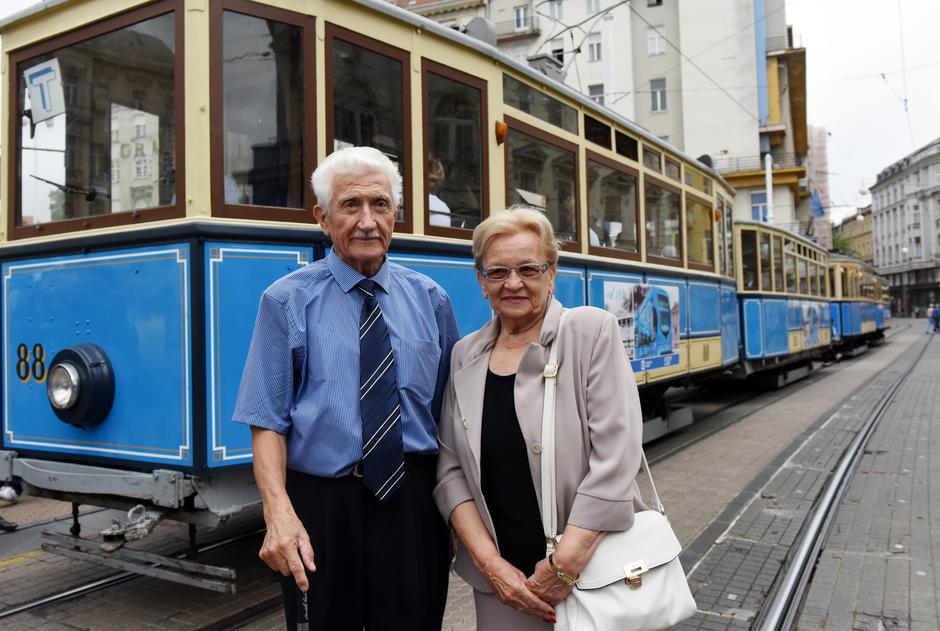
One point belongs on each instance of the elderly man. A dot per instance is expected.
(342, 388)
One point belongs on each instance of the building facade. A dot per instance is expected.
(906, 224)
(857, 230)
(817, 176)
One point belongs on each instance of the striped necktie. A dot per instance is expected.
(383, 464)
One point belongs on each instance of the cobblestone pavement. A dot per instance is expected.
(880, 566)
(733, 577)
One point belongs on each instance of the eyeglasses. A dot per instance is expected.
(527, 271)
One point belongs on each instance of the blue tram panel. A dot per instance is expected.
(730, 325)
(135, 305)
(236, 274)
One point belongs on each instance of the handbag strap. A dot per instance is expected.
(549, 514)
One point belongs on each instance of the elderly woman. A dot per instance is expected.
(489, 468)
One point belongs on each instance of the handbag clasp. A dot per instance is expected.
(635, 573)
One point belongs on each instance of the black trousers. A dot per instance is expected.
(381, 566)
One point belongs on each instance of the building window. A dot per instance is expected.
(593, 6)
(141, 167)
(759, 206)
(596, 92)
(140, 126)
(555, 9)
(521, 17)
(115, 171)
(655, 44)
(594, 48)
(657, 95)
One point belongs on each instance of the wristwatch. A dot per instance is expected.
(565, 578)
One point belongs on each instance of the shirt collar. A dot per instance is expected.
(347, 277)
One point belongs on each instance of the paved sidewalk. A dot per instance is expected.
(880, 567)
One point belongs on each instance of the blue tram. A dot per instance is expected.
(157, 165)
(858, 309)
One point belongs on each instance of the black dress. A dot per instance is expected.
(506, 479)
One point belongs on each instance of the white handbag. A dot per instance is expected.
(634, 581)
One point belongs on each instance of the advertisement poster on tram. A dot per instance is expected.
(648, 316)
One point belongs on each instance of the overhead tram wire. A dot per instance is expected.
(693, 64)
(907, 111)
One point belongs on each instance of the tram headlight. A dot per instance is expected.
(80, 385)
(63, 385)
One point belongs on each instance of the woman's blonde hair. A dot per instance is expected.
(516, 219)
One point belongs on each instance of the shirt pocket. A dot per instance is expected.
(417, 363)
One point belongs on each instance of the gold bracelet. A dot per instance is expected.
(565, 578)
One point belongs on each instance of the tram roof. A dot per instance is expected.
(463, 39)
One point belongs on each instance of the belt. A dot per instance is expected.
(411, 459)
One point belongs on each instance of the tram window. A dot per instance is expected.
(663, 209)
(673, 170)
(263, 96)
(543, 175)
(454, 132)
(612, 202)
(720, 207)
(790, 272)
(597, 132)
(846, 287)
(698, 181)
(106, 142)
(832, 282)
(802, 275)
(367, 96)
(627, 146)
(813, 279)
(778, 264)
(699, 233)
(652, 160)
(749, 260)
(729, 237)
(765, 268)
(523, 97)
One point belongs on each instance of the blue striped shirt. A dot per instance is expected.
(301, 377)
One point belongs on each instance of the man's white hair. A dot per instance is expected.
(353, 161)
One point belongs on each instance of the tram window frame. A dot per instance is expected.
(680, 230)
(590, 156)
(307, 25)
(789, 274)
(70, 38)
(707, 204)
(542, 135)
(777, 256)
(335, 32)
(814, 279)
(802, 276)
(596, 130)
(669, 162)
(749, 234)
(627, 146)
(429, 66)
(765, 237)
(653, 155)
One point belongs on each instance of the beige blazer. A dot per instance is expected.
(598, 433)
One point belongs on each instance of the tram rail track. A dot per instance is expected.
(117, 578)
(783, 603)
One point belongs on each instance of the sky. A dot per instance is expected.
(850, 44)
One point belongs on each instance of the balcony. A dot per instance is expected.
(519, 27)
(744, 164)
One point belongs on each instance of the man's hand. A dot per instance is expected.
(286, 548)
